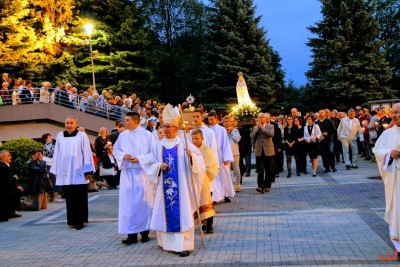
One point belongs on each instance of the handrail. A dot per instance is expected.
(98, 107)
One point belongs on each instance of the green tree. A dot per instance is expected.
(33, 38)
(236, 43)
(387, 13)
(178, 27)
(348, 67)
(121, 39)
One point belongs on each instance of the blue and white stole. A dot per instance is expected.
(171, 190)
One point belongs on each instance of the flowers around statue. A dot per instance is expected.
(245, 112)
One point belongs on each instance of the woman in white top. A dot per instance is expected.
(312, 134)
(44, 93)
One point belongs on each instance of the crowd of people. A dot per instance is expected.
(169, 177)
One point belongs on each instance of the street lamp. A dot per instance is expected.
(89, 30)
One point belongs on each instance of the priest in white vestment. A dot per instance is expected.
(177, 191)
(206, 208)
(135, 190)
(222, 187)
(387, 153)
(73, 166)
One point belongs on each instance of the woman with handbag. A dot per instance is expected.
(312, 134)
(109, 168)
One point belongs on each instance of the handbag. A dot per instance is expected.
(107, 172)
(373, 135)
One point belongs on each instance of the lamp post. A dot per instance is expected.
(89, 30)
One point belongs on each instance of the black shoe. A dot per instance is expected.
(184, 253)
(367, 159)
(132, 239)
(3, 219)
(260, 190)
(348, 167)
(305, 172)
(298, 174)
(327, 170)
(227, 200)
(277, 176)
(247, 175)
(289, 175)
(79, 227)
(145, 236)
(334, 169)
(354, 167)
(93, 190)
(14, 215)
(210, 229)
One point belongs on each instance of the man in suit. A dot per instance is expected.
(277, 140)
(8, 188)
(262, 135)
(348, 131)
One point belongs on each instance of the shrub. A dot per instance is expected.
(19, 149)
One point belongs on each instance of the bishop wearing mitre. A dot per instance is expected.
(177, 170)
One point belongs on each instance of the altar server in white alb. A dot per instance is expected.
(206, 208)
(73, 165)
(177, 187)
(387, 153)
(222, 185)
(135, 191)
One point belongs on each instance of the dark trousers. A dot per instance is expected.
(76, 198)
(327, 153)
(278, 161)
(338, 149)
(265, 170)
(245, 163)
(301, 160)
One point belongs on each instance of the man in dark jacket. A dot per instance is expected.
(8, 188)
(326, 145)
(277, 140)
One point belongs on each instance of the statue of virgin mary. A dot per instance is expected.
(242, 92)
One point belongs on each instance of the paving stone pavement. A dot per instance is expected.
(329, 220)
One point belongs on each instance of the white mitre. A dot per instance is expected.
(171, 115)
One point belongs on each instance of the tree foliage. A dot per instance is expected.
(387, 13)
(348, 66)
(236, 42)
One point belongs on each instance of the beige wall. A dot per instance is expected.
(31, 121)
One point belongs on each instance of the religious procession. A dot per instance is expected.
(172, 172)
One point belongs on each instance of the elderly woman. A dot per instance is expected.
(101, 140)
(44, 93)
(109, 166)
(40, 183)
(312, 134)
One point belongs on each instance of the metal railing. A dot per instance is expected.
(99, 107)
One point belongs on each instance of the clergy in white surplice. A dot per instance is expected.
(177, 186)
(73, 165)
(135, 190)
(222, 186)
(387, 153)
